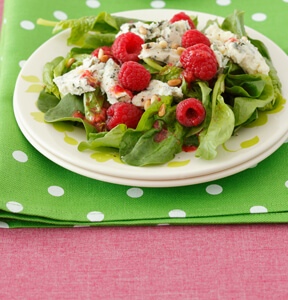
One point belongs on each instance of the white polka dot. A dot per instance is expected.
(286, 1)
(27, 25)
(259, 17)
(81, 226)
(223, 2)
(1, 58)
(56, 191)
(177, 213)
(95, 216)
(14, 206)
(286, 184)
(135, 192)
(20, 156)
(164, 224)
(60, 15)
(5, 21)
(258, 209)
(3, 225)
(157, 4)
(93, 3)
(22, 63)
(214, 189)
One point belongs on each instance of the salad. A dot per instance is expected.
(154, 89)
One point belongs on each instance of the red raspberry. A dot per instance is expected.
(190, 112)
(188, 76)
(192, 37)
(123, 113)
(183, 16)
(204, 48)
(127, 47)
(200, 61)
(134, 76)
(107, 51)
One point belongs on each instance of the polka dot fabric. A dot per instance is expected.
(36, 192)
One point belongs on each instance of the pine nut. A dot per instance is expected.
(70, 62)
(142, 30)
(163, 44)
(161, 111)
(174, 82)
(147, 103)
(104, 58)
(154, 98)
(174, 46)
(180, 50)
(100, 53)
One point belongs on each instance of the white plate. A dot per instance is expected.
(149, 183)
(185, 168)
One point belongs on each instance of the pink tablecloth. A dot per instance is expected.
(201, 262)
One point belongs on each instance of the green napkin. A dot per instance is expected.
(36, 192)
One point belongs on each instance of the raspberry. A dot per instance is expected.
(188, 76)
(200, 60)
(107, 51)
(190, 112)
(183, 16)
(127, 47)
(134, 76)
(204, 48)
(192, 37)
(123, 113)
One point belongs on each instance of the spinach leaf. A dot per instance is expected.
(148, 118)
(96, 40)
(235, 23)
(251, 91)
(103, 23)
(93, 102)
(168, 72)
(111, 138)
(48, 76)
(156, 146)
(46, 101)
(219, 127)
(70, 108)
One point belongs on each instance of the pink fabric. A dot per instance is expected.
(201, 262)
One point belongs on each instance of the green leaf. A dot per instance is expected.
(235, 23)
(168, 72)
(156, 146)
(48, 76)
(66, 110)
(219, 127)
(104, 139)
(46, 101)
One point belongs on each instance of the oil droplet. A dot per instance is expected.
(69, 140)
(261, 120)
(175, 164)
(250, 143)
(106, 154)
(63, 126)
(278, 108)
(226, 149)
(101, 156)
(38, 116)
